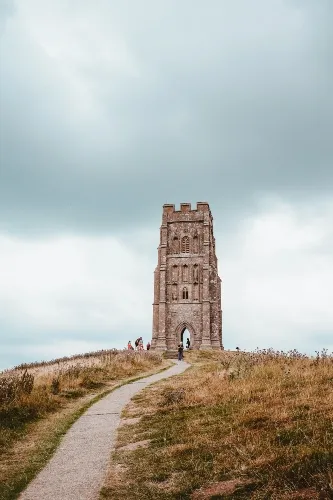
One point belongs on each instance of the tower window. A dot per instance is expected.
(195, 244)
(174, 273)
(185, 273)
(185, 293)
(185, 244)
(175, 245)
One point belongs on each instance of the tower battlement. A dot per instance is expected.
(202, 206)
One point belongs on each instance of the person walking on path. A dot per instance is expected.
(180, 351)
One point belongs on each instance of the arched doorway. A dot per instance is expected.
(184, 336)
(185, 331)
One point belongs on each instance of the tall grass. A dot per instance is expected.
(30, 391)
(40, 401)
(237, 425)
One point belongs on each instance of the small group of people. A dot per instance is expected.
(138, 345)
(181, 349)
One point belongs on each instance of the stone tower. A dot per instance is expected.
(187, 288)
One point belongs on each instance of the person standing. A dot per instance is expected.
(137, 343)
(129, 345)
(180, 351)
(148, 346)
(188, 343)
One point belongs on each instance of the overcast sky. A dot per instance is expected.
(111, 108)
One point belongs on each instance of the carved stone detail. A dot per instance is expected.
(185, 244)
(175, 244)
(195, 273)
(174, 294)
(174, 277)
(195, 243)
(185, 273)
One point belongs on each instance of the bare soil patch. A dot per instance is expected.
(135, 446)
(221, 488)
(130, 421)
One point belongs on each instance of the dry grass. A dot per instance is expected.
(236, 425)
(38, 403)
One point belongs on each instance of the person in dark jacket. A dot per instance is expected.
(188, 343)
(180, 351)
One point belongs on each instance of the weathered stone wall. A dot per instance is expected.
(187, 291)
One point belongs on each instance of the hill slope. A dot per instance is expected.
(236, 425)
(40, 401)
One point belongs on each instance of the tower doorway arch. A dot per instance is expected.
(185, 331)
(184, 336)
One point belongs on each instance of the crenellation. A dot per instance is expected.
(185, 207)
(168, 208)
(203, 206)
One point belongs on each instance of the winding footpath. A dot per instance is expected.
(78, 468)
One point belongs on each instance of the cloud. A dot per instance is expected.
(113, 109)
(71, 283)
(66, 291)
(279, 275)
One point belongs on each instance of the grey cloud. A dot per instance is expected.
(231, 102)
(7, 9)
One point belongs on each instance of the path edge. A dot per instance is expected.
(33, 470)
(189, 367)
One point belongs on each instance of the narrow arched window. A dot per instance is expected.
(185, 293)
(185, 273)
(195, 244)
(175, 245)
(174, 273)
(195, 273)
(185, 244)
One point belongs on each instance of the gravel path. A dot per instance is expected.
(78, 468)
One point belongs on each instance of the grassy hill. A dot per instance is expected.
(235, 425)
(39, 402)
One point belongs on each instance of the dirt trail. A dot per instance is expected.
(78, 468)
